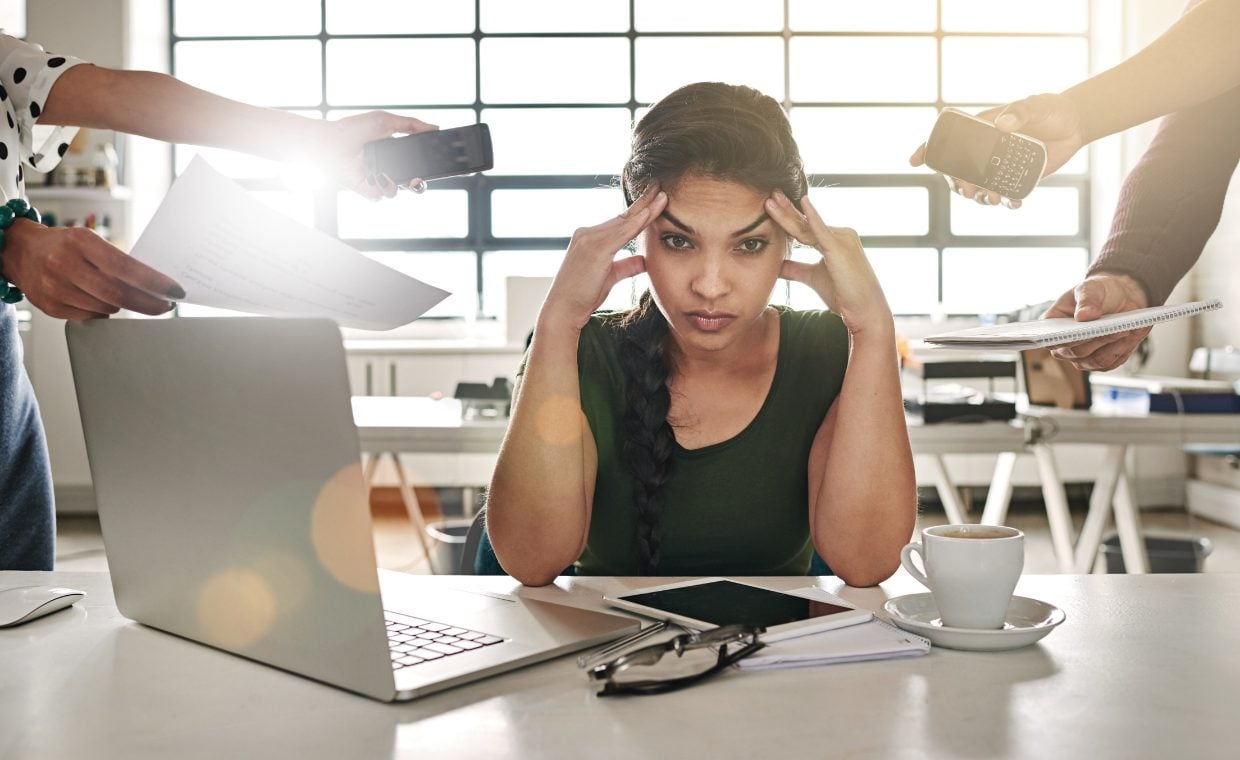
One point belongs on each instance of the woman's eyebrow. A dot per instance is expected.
(751, 227)
(743, 231)
(668, 216)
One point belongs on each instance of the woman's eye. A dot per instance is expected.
(753, 245)
(675, 242)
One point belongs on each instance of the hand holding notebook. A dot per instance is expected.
(1044, 333)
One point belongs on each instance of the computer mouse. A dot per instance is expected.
(25, 603)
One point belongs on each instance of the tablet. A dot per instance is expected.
(710, 602)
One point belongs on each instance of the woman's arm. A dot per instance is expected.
(1196, 59)
(163, 108)
(538, 505)
(862, 490)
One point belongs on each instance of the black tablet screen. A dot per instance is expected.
(727, 602)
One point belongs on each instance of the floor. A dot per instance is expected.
(80, 546)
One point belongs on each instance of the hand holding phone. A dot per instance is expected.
(430, 155)
(973, 150)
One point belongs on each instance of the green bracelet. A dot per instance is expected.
(10, 211)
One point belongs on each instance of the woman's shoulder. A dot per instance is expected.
(811, 325)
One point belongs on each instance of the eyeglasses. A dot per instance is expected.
(617, 680)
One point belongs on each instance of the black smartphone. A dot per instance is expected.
(431, 155)
(974, 150)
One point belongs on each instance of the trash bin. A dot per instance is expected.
(1168, 554)
(448, 544)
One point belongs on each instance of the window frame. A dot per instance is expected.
(480, 242)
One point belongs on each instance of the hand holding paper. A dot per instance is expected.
(207, 236)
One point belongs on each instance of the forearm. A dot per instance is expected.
(538, 504)
(866, 504)
(163, 108)
(1172, 200)
(1194, 60)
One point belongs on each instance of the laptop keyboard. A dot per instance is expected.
(414, 641)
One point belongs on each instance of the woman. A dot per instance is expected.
(706, 432)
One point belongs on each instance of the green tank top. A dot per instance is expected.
(738, 507)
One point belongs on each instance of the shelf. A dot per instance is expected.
(87, 194)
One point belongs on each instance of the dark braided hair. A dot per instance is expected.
(722, 131)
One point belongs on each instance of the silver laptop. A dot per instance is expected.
(229, 484)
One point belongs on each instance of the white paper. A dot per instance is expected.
(230, 252)
(871, 640)
(1054, 332)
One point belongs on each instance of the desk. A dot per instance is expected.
(1145, 666)
(391, 425)
(1049, 426)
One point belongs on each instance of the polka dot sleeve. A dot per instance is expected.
(27, 74)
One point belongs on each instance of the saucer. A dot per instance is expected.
(1027, 621)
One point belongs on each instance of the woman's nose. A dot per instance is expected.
(712, 280)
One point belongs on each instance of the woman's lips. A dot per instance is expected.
(710, 321)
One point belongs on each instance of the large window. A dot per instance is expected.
(561, 81)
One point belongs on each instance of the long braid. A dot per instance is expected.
(649, 440)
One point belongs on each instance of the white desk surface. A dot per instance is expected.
(1156, 429)
(1144, 666)
(420, 424)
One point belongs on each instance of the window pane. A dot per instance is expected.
(624, 294)
(435, 214)
(444, 118)
(265, 73)
(551, 213)
(454, 272)
(1047, 211)
(875, 210)
(399, 17)
(860, 140)
(867, 16)
(559, 140)
(13, 17)
(1015, 16)
(246, 18)
(708, 16)
(369, 71)
(909, 276)
(555, 16)
(996, 280)
(1030, 65)
(569, 70)
(757, 62)
(845, 69)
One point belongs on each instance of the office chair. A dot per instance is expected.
(478, 557)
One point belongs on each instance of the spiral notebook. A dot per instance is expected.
(1044, 333)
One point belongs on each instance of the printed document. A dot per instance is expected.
(227, 252)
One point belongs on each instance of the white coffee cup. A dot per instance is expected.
(970, 569)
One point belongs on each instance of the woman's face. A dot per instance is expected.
(713, 257)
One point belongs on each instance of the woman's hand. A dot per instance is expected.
(590, 268)
(843, 277)
(341, 145)
(73, 273)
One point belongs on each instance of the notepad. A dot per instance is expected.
(871, 640)
(1044, 333)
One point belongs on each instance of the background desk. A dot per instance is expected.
(1117, 433)
(1145, 666)
(391, 425)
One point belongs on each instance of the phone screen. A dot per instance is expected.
(964, 150)
(728, 602)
